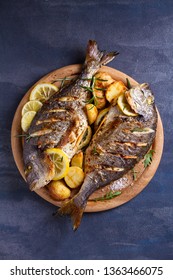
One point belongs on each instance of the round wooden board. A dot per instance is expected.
(133, 188)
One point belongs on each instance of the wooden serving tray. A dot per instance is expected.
(128, 186)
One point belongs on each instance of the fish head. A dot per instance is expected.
(39, 169)
(141, 100)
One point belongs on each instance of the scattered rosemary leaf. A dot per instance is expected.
(148, 158)
(103, 89)
(94, 151)
(91, 107)
(87, 88)
(107, 196)
(101, 80)
(134, 173)
(90, 100)
(27, 136)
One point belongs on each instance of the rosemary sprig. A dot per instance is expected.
(102, 89)
(88, 109)
(134, 173)
(90, 101)
(148, 158)
(62, 83)
(94, 151)
(61, 79)
(101, 80)
(27, 136)
(87, 88)
(107, 196)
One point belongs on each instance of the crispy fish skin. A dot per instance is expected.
(118, 144)
(60, 121)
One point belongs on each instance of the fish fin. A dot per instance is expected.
(76, 212)
(100, 57)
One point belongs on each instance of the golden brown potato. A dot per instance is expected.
(102, 80)
(74, 177)
(115, 90)
(92, 113)
(77, 160)
(58, 190)
(99, 98)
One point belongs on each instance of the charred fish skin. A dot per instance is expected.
(118, 144)
(60, 121)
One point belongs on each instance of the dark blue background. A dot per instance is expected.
(37, 37)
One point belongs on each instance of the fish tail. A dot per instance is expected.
(100, 57)
(75, 211)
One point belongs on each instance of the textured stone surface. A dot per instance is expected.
(39, 36)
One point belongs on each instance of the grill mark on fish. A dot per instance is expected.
(57, 110)
(40, 132)
(115, 169)
(48, 120)
(66, 98)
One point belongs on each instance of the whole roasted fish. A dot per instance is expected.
(119, 143)
(60, 122)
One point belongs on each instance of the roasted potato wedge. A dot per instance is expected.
(115, 90)
(99, 98)
(92, 112)
(77, 160)
(74, 177)
(102, 80)
(58, 190)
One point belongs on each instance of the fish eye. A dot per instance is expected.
(28, 169)
(150, 100)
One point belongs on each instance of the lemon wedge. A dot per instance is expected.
(61, 161)
(27, 119)
(43, 92)
(33, 105)
(125, 107)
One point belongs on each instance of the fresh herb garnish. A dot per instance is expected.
(84, 136)
(134, 173)
(94, 151)
(91, 89)
(128, 83)
(27, 136)
(90, 101)
(90, 107)
(148, 158)
(103, 89)
(107, 196)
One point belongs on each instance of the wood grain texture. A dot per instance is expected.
(128, 186)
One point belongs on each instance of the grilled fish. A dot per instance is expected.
(119, 143)
(61, 121)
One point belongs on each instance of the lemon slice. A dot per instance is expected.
(33, 105)
(125, 107)
(43, 92)
(27, 119)
(61, 161)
